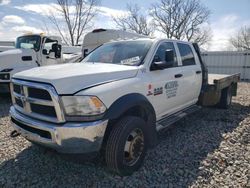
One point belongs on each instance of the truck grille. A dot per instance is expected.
(36, 100)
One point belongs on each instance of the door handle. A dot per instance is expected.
(178, 75)
(198, 72)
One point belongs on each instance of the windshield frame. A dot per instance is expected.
(148, 42)
(38, 39)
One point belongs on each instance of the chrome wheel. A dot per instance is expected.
(134, 147)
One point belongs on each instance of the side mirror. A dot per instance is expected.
(58, 51)
(169, 56)
(85, 53)
(160, 65)
(45, 52)
(169, 61)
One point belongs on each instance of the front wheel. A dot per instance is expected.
(127, 145)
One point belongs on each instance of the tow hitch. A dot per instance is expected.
(14, 134)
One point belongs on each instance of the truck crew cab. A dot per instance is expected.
(32, 50)
(116, 99)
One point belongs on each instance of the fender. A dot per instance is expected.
(124, 103)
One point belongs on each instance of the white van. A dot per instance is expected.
(98, 37)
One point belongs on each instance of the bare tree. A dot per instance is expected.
(182, 20)
(134, 21)
(242, 40)
(202, 36)
(72, 17)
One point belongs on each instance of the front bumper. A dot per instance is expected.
(4, 87)
(71, 137)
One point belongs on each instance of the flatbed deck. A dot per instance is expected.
(215, 85)
(221, 81)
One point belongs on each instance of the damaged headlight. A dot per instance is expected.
(83, 105)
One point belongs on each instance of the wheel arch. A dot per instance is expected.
(133, 104)
(127, 102)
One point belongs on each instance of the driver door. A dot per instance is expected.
(165, 83)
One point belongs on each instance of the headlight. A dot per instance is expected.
(83, 105)
(4, 76)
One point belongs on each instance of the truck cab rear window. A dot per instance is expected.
(187, 56)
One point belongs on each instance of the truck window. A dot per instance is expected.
(29, 42)
(124, 52)
(160, 53)
(187, 56)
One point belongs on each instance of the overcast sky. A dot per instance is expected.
(22, 16)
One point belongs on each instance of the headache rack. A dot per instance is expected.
(36, 100)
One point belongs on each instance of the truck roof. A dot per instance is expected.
(154, 39)
(39, 34)
(115, 31)
(52, 37)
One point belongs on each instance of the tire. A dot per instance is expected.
(131, 132)
(226, 98)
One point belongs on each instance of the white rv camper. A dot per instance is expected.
(97, 37)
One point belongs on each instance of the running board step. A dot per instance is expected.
(165, 122)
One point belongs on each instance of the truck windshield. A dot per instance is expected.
(29, 42)
(125, 53)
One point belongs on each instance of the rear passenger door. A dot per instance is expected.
(191, 74)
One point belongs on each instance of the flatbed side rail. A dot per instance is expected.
(226, 81)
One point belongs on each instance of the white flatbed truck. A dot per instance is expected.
(116, 99)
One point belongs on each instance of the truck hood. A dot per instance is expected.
(72, 77)
(12, 59)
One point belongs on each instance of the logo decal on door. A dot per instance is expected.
(171, 89)
(154, 91)
(158, 91)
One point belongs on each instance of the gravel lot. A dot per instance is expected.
(210, 148)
